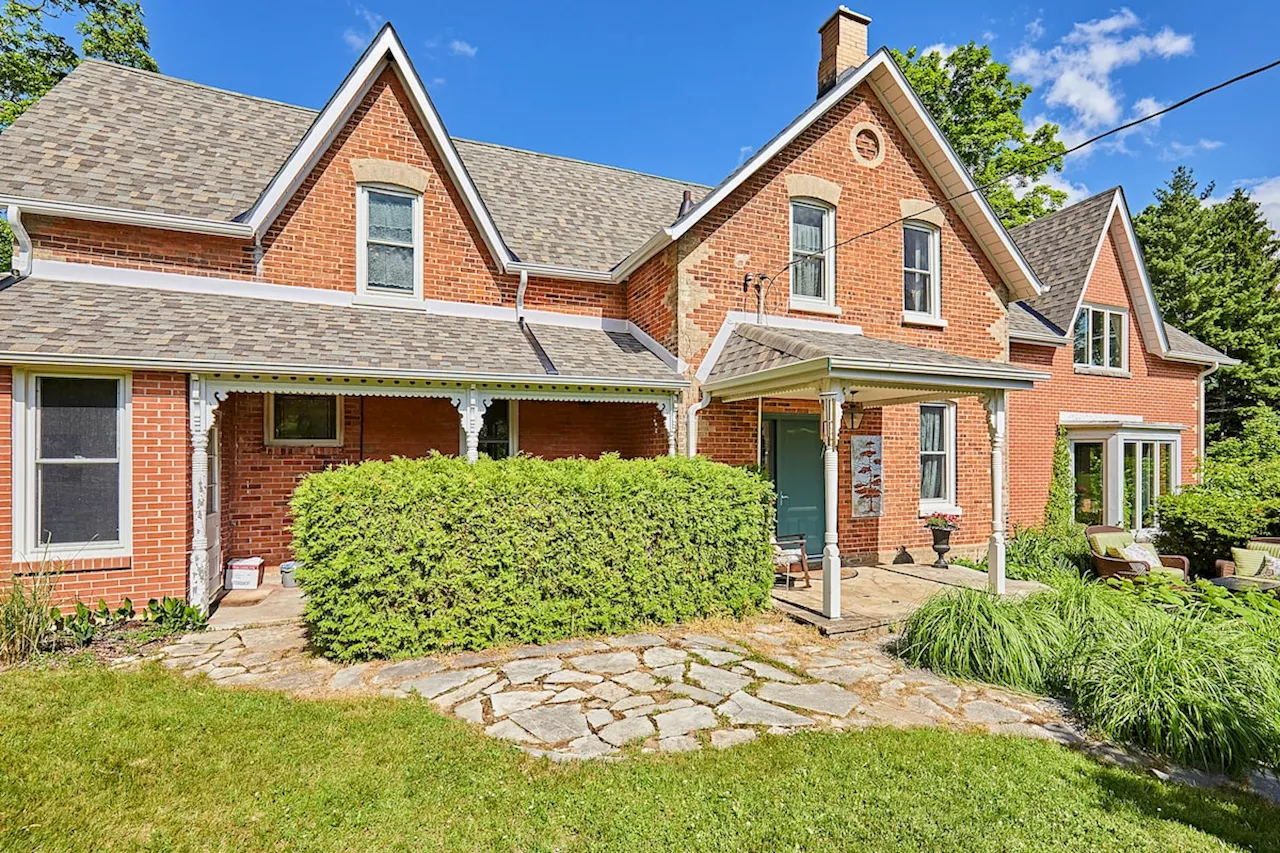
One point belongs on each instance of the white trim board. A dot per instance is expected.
(181, 283)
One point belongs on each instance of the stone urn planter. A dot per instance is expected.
(941, 525)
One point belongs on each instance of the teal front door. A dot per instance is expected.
(795, 465)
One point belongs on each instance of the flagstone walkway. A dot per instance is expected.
(671, 690)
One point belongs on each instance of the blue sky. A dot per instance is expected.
(688, 89)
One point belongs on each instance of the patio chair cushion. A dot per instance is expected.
(1272, 548)
(1137, 552)
(1248, 562)
(786, 557)
(1101, 543)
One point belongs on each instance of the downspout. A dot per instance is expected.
(524, 283)
(1204, 375)
(21, 263)
(693, 421)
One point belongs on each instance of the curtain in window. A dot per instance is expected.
(390, 244)
(916, 258)
(933, 458)
(809, 269)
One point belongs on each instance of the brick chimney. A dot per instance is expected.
(844, 46)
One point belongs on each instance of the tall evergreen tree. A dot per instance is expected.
(33, 59)
(1215, 269)
(978, 107)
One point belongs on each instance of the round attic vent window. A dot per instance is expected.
(867, 144)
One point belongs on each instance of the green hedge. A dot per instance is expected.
(415, 556)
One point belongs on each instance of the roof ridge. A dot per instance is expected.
(779, 340)
(579, 160)
(1069, 208)
(195, 85)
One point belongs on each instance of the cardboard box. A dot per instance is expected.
(245, 573)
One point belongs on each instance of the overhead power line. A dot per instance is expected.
(1042, 161)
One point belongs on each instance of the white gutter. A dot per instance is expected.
(693, 421)
(21, 262)
(139, 218)
(550, 271)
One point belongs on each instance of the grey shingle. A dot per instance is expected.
(48, 317)
(754, 348)
(1180, 343)
(117, 137)
(1026, 322)
(1060, 248)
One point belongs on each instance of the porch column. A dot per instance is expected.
(201, 422)
(667, 407)
(997, 417)
(471, 407)
(832, 412)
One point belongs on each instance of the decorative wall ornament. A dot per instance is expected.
(868, 480)
(871, 138)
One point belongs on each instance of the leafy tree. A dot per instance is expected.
(1060, 511)
(1215, 269)
(979, 109)
(33, 58)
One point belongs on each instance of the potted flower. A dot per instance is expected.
(941, 524)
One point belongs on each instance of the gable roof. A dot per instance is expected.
(1064, 248)
(890, 85)
(110, 138)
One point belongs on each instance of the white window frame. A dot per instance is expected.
(376, 295)
(27, 547)
(947, 503)
(826, 304)
(213, 499)
(269, 423)
(513, 430)
(932, 317)
(1113, 473)
(1087, 310)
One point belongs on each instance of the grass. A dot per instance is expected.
(101, 760)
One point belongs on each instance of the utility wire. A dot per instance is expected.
(1042, 161)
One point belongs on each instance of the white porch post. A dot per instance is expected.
(201, 423)
(667, 407)
(471, 407)
(832, 412)
(997, 426)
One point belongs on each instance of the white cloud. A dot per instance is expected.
(437, 82)
(1266, 192)
(1079, 71)
(1055, 180)
(357, 38)
(458, 47)
(745, 151)
(941, 48)
(1183, 151)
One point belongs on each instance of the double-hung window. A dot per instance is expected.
(921, 287)
(73, 468)
(1101, 338)
(389, 256)
(812, 255)
(937, 457)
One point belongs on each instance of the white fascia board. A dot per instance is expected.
(994, 376)
(1148, 292)
(307, 370)
(567, 273)
(138, 218)
(881, 60)
(386, 49)
(1039, 340)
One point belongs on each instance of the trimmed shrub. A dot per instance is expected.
(973, 634)
(1200, 691)
(415, 556)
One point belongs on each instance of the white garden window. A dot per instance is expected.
(72, 480)
(921, 280)
(812, 256)
(1101, 339)
(389, 243)
(937, 458)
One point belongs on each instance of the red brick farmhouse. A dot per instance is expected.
(215, 294)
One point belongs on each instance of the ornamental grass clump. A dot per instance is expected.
(1201, 691)
(416, 556)
(973, 634)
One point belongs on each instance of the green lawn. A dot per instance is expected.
(95, 760)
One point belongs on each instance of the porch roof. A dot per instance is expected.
(766, 359)
(53, 322)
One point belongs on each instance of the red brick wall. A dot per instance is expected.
(1159, 391)
(258, 481)
(161, 501)
(152, 249)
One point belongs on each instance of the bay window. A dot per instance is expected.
(1121, 473)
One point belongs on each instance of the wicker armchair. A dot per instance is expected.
(1110, 567)
(1227, 568)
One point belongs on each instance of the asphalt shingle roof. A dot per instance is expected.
(753, 348)
(118, 137)
(1180, 343)
(59, 318)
